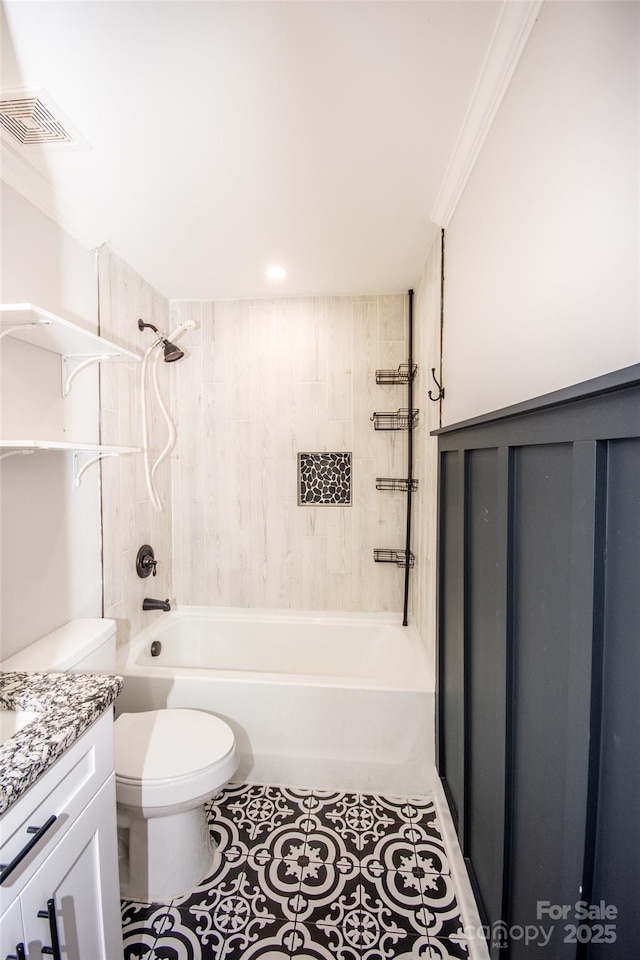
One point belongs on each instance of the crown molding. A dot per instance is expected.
(514, 25)
(19, 174)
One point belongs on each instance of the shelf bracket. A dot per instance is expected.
(21, 326)
(13, 453)
(85, 360)
(78, 470)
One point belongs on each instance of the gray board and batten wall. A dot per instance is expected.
(539, 665)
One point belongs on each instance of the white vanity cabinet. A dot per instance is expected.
(62, 898)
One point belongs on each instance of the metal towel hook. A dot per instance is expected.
(440, 395)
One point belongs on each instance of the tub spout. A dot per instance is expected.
(150, 604)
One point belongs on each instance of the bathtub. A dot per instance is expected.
(319, 700)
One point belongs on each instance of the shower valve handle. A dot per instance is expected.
(145, 561)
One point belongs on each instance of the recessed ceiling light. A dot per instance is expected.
(276, 272)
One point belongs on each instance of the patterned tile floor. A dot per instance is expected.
(321, 875)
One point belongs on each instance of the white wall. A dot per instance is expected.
(50, 569)
(542, 254)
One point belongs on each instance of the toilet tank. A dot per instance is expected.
(80, 646)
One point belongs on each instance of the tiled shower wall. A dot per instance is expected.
(128, 518)
(263, 381)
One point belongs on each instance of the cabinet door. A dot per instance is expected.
(11, 931)
(81, 876)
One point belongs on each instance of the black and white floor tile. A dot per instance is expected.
(318, 875)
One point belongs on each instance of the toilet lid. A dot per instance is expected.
(166, 744)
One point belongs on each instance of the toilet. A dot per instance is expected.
(168, 763)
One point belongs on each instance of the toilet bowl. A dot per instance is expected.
(168, 763)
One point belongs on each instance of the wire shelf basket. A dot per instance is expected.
(403, 374)
(402, 419)
(403, 558)
(389, 483)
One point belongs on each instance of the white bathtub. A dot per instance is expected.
(321, 700)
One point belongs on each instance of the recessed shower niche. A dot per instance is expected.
(324, 479)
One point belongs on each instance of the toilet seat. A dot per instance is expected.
(168, 757)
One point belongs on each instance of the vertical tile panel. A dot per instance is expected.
(237, 359)
(340, 594)
(339, 358)
(339, 540)
(176, 530)
(391, 533)
(339, 436)
(311, 417)
(214, 342)
(366, 397)
(192, 545)
(214, 495)
(259, 544)
(261, 378)
(313, 340)
(365, 536)
(392, 317)
(314, 573)
(239, 513)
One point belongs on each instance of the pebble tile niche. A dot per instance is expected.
(324, 479)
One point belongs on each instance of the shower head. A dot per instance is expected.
(171, 351)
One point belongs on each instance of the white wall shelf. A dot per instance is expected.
(17, 446)
(77, 348)
(50, 332)
(95, 451)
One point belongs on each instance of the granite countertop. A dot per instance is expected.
(68, 702)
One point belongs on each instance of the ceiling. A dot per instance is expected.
(225, 136)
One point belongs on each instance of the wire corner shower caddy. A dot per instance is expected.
(405, 418)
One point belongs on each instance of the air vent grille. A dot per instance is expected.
(31, 118)
(31, 122)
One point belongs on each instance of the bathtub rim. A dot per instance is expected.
(128, 652)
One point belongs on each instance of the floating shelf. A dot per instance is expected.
(403, 374)
(400, 420)
(403, 558)
(387, 483)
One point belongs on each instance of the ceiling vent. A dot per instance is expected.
(31, 118)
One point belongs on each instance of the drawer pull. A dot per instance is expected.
(19, 954)
(38, 833)
(50, 915)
